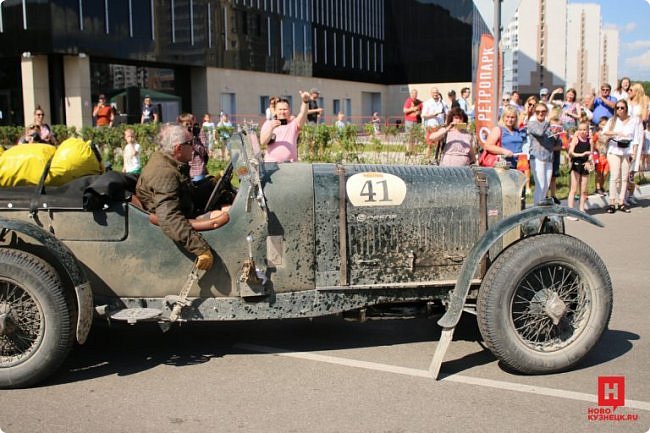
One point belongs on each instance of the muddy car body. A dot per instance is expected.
(306, 240)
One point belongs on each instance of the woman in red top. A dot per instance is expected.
(103, 113)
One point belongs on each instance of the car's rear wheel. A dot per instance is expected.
(544, 303)
(36, 331)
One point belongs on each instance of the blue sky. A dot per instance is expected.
(632, 19)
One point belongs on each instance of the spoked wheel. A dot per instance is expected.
(550, 307)
(36, 329)
(21, 323)
(544, 303)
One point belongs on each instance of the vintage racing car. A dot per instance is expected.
(306, 240)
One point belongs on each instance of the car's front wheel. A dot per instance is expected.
(544, 303)
(36, 331)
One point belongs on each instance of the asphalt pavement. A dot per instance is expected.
(331, 375)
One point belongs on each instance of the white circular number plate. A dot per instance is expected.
(375, 189)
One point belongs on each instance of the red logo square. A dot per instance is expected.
(611, 391)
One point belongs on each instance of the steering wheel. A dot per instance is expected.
(223, 185)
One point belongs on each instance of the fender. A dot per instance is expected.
(458, 296)
(72, 267)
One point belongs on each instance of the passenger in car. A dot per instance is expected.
(165, 188)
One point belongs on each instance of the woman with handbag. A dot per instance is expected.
(504, 139)
(458, 148)
(622, 136)
(581, 154)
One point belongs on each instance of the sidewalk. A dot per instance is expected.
(596, 201)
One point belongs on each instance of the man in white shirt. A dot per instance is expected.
(465, 103)
(433, 110)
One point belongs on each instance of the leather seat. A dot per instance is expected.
(202, 223)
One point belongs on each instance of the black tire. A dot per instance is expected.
(36, 326)
(533, 284)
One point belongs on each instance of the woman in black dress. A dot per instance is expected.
(581, 154)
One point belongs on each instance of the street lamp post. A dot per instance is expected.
(497, 49)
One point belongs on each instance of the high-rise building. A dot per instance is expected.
(584, 47)
(226, 55)
(609, 57)
(534, 44)
(550, 43)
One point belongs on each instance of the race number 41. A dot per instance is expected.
(375, 189)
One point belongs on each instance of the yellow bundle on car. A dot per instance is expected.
(73, 158)
(23, 164)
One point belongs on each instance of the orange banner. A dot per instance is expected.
(485, 93)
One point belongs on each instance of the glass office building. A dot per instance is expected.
(68, 51)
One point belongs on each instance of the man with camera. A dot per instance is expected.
(280, 135)
(103, 113)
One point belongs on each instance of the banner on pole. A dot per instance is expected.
(486, 93)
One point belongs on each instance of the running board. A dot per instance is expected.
(134, 315)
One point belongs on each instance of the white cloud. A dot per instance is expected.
(626, 28)
(629, 27)
(641, 61)
(637, 45)
(638, 66)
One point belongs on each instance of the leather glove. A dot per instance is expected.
(205, 260)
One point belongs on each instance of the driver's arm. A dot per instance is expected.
(171, 218)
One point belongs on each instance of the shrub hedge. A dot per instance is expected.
(323, 143)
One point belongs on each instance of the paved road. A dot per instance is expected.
(329, 375)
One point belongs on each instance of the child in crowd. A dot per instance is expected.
(32, 135)
(340, 121)
(599, 144)
(209, 130)
(580, 153)
(224, 130)
(131, 153)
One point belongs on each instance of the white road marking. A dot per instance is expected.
(489, 383)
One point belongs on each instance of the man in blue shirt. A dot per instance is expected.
(603, 105)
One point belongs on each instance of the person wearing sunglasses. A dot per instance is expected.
(544, 139)
(164, 188)
(603, 105)
(47, 136)
(622, 142)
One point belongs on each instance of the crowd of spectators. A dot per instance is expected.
(532, 136)
(605, 132)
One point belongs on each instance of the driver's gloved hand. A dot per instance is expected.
(205, 260)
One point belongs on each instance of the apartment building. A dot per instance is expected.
(584, 47)
(550, 43)
(609, 56)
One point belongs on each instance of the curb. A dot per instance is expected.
(596, 201)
